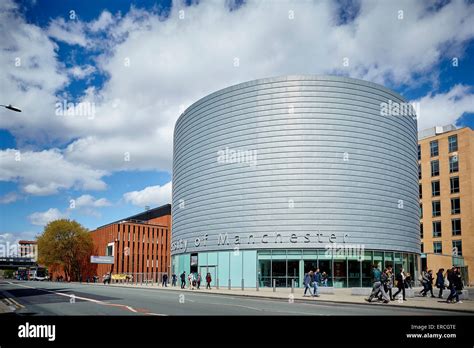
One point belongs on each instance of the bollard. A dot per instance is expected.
(242, 285)
(217, 283)
(274, 285)
(229, 286)
(258, 284)
(141, 279)
(292, 286)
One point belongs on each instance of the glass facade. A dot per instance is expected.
(249, 268)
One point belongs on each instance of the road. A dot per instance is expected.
(51, 298)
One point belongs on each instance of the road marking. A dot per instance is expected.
(130, 308)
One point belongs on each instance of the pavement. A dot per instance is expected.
(342, 295)
(53, 298)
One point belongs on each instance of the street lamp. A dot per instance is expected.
(10, 107)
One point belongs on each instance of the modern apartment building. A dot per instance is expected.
(446, 184)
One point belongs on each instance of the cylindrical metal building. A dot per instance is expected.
(276, 176)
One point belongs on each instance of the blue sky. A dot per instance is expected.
(141, 63)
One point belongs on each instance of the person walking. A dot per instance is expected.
(307, 283)
(408, 280)
(456, 285)
(450, 276)
(198, 280)
(191, 281)
(401, 283)
(183, 279)
(324, 279)
(165, 280)
(173, 279)
(427, 283)
(316, 279)
(376, 280)
(440, 282)
(208, 281)
(390, 282)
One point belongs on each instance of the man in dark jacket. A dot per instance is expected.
(440, 282)
(183, 280)
(316, 279)
(307, 283)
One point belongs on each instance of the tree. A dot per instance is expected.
(67, 244)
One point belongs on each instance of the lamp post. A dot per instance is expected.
(10, 107)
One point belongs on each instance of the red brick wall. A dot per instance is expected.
(149, 241)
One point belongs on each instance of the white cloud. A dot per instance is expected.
(47, 172)
(90, 201)
(43, 218)
(80, 72)
(103, 22)
(151, 196)
(9, 198)
(70, 31)
(445, 108)
(155, 65)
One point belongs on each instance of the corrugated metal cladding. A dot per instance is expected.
(295, 162)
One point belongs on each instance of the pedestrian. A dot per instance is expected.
(198, 280)
(408, 281)
(379, 279)
(316, 279)
(450, 276)
(427, 280)
(165, 280)
(208, 281)
(390, 282)
(440, 282)
(173, 279)
(183, 279)
(456, 285)
(324, 279)
(191, 280)
(307, 283)
(401, 283)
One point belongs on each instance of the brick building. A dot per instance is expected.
(140, 244)
(446, 184)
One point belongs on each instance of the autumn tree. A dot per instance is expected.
(67, 244)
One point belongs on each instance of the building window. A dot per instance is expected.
(434, 148)
(437, 248)
(455, 206)
(435, 168)
(453, 164)
(454, 184)
(436, 205)
(420, 190)
(419, 152)
(421, 211)
(457, 247)
(436, 229)
(435, 188)
(453, 143)
(456, 227)
(419, 171)
(422, 248)
(421, 231)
